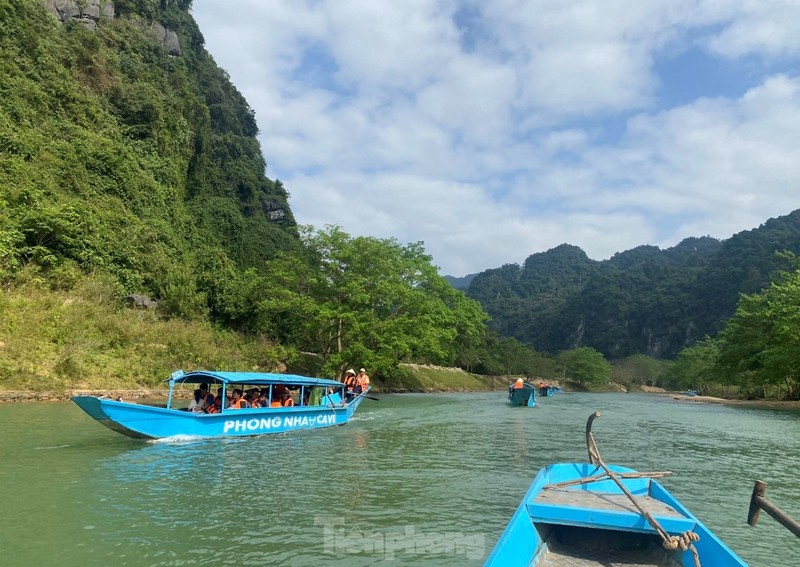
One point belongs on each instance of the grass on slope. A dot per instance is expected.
(85, 338)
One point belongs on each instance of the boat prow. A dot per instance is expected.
(96, 408)
(593, 514)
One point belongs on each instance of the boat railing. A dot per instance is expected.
(759, 502)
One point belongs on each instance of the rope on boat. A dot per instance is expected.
(683, 541)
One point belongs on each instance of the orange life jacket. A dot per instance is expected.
(276, 404)
(288, 402)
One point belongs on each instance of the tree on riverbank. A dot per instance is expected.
(364, 301)
(760, 345)
(584, 365)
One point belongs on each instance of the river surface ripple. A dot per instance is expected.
(413, 480)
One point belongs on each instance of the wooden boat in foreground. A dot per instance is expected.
(593, 514)
(320, 403)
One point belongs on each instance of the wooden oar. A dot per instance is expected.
(758, 502)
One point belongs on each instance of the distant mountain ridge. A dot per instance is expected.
(644, 300)
(460, 283)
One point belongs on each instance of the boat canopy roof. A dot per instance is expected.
(248, 378)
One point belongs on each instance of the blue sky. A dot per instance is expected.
(494, 129)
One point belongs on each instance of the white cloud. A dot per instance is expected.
(494, 130)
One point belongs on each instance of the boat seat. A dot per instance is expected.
(605, 510)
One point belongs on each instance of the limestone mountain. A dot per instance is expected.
(125, 149)
(641, 301)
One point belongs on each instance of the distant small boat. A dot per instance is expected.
(593, 514)
(320, 403)
(546, 390)
(689, 392)
(522, 396)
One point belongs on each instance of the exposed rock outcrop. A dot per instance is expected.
(167, 37)
(89, 12)
(93, 12)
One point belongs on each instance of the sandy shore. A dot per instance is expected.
(768, 404)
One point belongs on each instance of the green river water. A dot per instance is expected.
(412, 480)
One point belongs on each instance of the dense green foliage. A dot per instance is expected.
(119, 158)
(759, 348)
(642, 301)
(366, 301)
(59, 340)
(585, 366)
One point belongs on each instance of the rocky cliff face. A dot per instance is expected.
(92, 13)
(89, 13)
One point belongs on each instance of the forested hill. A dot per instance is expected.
(645, 300)
(125, 149)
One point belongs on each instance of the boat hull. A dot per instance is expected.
(525, 396)
(591, 521)
(150, 422)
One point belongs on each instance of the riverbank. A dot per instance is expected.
(421, 378)
(10, 396)
(764, 404)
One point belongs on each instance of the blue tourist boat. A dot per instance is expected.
(546, 390)
(319, 403)
(522, 394)
(593, 514)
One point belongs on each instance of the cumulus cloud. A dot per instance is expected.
(494, 130)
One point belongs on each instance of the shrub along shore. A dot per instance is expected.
(418, 378)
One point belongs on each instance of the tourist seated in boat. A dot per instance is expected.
(520, 383)
(287, 400)
(251, 397)
(237, 400)
(216, 407)
(208, 397)
(196, 404)
(223, 400)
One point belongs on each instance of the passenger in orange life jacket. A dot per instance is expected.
(208, 397)
(287, 400)
(519, 383)
(237, 401)
(216, 407)
(362, 381)
(350, 379)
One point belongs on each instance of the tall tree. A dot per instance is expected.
(760, 344)
(585, 365)
(369, 302)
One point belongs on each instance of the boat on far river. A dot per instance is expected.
(522, 394)
(318, 403)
